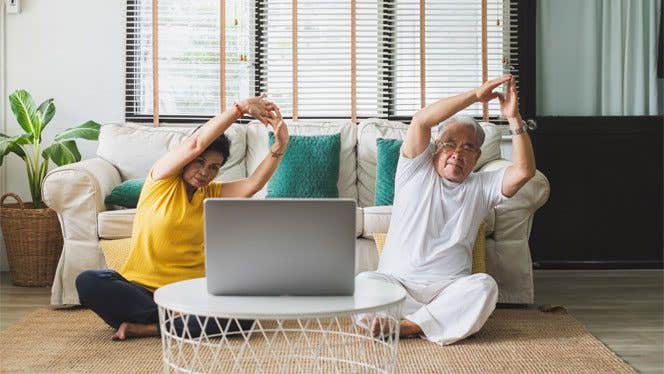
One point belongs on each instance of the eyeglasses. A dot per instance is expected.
(450, 147)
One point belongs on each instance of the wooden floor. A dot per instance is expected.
(623, 308)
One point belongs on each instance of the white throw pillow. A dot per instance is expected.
(133, 148)
(371, 129)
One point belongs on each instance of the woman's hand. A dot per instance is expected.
(259, 107)
(280, 132)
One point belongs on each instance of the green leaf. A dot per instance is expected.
(45, 112)
(88, 131)
(13, 144)
(24, 110)
(62, 153)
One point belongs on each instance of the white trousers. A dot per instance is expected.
(449, 310)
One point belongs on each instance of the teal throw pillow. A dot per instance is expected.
(126, 194)
(309, 168)
(387, 158)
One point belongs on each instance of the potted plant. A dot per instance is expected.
(31, 231)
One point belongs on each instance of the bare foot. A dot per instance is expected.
(130, 330)
(406, 328)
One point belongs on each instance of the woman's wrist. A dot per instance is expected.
(278, 149)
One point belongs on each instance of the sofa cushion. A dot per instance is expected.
(148, 143)
(371, 129)
(257, 149)
(376, 219)
(309, 169)
(115, 224)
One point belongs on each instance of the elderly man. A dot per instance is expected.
(439, 205)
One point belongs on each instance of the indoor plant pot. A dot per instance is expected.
(33, 242)
(31, 231)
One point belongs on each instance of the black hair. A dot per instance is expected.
(222, 145)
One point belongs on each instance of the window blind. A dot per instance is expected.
(406, 53)
(453, 50)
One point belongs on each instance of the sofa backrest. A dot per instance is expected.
(133, 148)
(257, 148)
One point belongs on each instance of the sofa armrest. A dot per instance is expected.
(88, 179)
(76, 192)
(530, 197)
(509, 261)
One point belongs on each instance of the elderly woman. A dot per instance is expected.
(167, 236)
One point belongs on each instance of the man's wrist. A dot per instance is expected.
(515, 122)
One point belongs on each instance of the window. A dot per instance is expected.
(260, 54)
(188, 57)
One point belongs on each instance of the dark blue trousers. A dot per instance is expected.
(117, 300)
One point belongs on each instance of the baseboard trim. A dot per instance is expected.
(598, 265)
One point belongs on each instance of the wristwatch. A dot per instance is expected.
(525, 126)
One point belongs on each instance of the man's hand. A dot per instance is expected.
(485, 91)
(509, 103)
(259, 107)
(281, 136)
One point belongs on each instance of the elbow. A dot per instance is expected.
(525, 175)
(418, 119)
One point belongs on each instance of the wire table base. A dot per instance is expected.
(337, 343)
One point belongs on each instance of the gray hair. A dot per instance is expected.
(465, 121)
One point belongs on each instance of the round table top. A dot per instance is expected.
(191, 297)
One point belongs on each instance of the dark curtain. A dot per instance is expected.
(660, 54)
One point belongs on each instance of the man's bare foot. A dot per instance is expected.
(130, 330)
(406, 328)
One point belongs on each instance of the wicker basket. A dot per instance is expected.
(33, 241)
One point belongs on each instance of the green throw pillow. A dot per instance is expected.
(309, 168)
(387, 158)
(126, 194)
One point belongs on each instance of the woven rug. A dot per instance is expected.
(513, 340)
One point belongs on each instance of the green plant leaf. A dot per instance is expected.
(88, 131)
(24, 109)
(13, 144)
(45, 112)
(62, 153)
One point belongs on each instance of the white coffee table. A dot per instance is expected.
(289, 334)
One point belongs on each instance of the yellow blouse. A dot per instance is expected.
(167, 236)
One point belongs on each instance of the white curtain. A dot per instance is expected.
(598, 57)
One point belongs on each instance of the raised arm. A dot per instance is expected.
(419, 131)
(256, 181)
(175, 160)
(523, 157)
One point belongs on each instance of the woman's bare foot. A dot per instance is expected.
(130, 330)
(406, 328)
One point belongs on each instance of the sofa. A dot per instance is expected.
(127, 151)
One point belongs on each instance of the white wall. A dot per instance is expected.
(72, 51)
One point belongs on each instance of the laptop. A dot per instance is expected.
(275, 247)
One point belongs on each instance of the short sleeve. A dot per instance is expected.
(492, 186)
(214, 189)
(407, 168)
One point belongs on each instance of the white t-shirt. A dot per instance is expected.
(435, 221)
